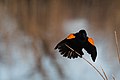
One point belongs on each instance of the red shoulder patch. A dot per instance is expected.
(71, 36)
(91, 41)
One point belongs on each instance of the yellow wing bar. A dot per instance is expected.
(71, 36)
(91, 41)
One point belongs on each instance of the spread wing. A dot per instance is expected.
(65, 50)
(91, 49)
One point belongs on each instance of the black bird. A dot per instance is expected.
(75, 43)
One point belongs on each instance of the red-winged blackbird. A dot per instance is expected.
(75, 43)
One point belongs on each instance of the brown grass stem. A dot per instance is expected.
(104, 73)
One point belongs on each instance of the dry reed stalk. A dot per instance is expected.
(117, 46)
(113, 77)
(87, 62)
(104, 73)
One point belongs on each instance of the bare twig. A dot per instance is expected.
(104, 73)
(87, 62)
(116, 40)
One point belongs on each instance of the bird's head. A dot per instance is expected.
(83, 34)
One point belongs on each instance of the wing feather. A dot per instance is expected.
(65, 51)
(91, 49)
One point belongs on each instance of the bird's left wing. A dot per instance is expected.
(90, 48)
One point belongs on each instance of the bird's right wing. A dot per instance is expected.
(65, 50)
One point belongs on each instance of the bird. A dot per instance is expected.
(72, 46)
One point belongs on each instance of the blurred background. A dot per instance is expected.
(30, 29)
